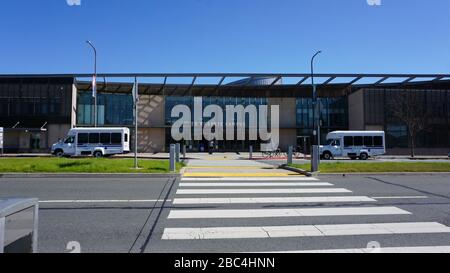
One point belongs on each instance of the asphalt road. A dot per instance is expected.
(113, 224)
(122, 214)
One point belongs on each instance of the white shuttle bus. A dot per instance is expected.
(98, 142)
(354, 144)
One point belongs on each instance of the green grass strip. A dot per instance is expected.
(379, 167)
(82, 165)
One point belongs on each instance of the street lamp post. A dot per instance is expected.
(316, 120)
(94, 82)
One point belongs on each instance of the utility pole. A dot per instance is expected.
(315, 158)
(94, 82)
(136, 100)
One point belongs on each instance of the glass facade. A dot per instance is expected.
(112, 109)
(434, 108)
(28, 109)
(333, 116)
(117, 110)
(34, 101)
(222, 102)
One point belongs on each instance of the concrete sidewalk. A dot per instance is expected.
(243, 155)
(231, 165)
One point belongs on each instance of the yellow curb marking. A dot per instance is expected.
(226, 167)
(214, 174)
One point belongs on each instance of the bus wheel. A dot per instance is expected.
(98, 154)
(363, 156)
(327, 155)
(59, 153)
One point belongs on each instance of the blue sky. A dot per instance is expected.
(400, 36)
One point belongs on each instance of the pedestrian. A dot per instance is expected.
(211, 147)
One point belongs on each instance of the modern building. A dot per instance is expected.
(37, 110)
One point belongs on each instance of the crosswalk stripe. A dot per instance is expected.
(389, 250)
(303, 231)
(401, 197)
(290, 185)
(262, 200)
(249, 179)
(274, 184)
(102, 201)
(260, 191)
(267, 213)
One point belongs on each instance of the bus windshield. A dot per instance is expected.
(69, 140)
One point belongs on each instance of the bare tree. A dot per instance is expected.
(408, 106)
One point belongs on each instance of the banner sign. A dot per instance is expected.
(1, 138)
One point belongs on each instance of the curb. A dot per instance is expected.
(393, 173)
(300, 171)
(89, 175)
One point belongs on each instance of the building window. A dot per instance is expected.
(112, 109)
(397, 136)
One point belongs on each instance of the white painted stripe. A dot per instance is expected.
(259, 191)
(261, 200)
(103, 201)
(275, 184)
(391, 250)
(266, 213)
(401, 197)
(257, 179)
(303, 231)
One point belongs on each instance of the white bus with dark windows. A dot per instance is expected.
(354, 144)
(98, 142)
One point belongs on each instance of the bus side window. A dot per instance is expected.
(368, 141)
(378, 141)
(82, 138)
(105, 138)
(348, 141)
(94, 138)
(116, 138)
(358, 141)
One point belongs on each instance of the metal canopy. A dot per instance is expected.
(277, 84)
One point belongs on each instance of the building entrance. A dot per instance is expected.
(304, 144)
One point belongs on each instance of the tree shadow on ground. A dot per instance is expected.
(73, 164)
